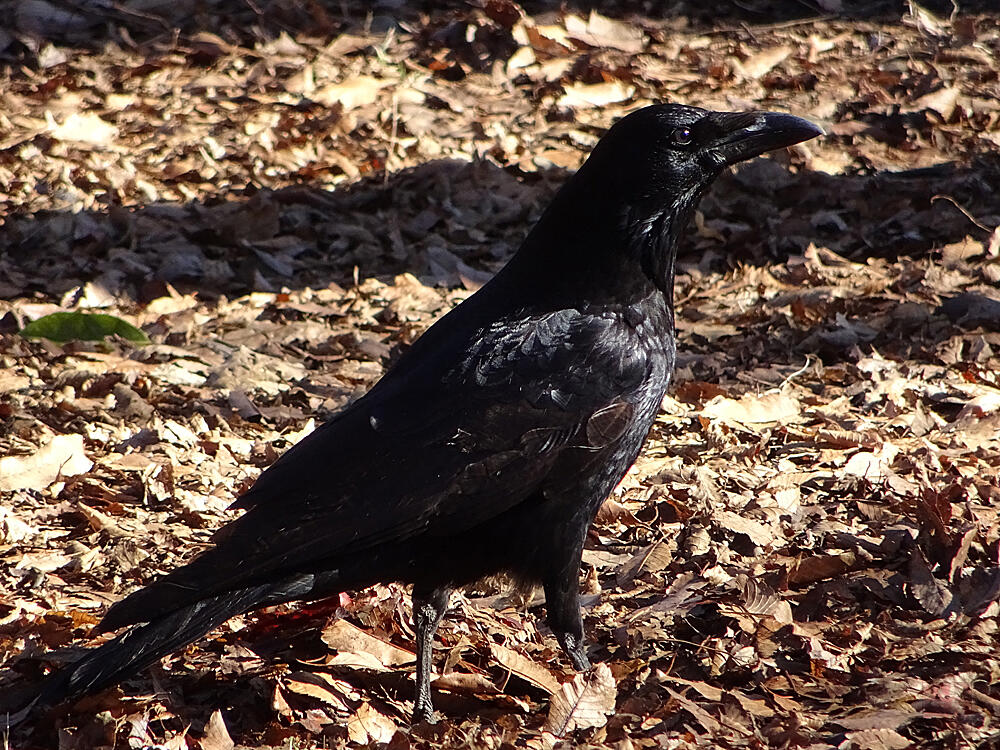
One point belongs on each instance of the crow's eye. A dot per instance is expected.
(682, 136)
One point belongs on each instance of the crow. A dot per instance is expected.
(490, 444)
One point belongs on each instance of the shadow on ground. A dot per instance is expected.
(453, 224)
(447, 218)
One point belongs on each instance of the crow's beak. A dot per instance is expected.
(743, 135)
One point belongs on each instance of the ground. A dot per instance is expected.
(282, 196)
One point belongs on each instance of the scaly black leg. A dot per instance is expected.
(428, 609)
(562, 605)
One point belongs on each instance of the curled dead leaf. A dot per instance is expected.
(584, 702)
(580, 95)
(63, 456)
(525, 668)
(367, 725)
(764, 61)
(356, 648)
(752, 409)
(216, 735)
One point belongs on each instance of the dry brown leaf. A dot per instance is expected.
(759, 534)
(12, 528)
(652, 558)
(62, 456)
(699, 713)
(101, 521)
(993, 248)
(764, 61)
(320, 686)
(584, 702)
(367, 725)
(881, 719)
(879, 739)
(172, 303)
(807, 570)
(601, 31)
(927, 21)
(10, 382)
(708, 692)
(86, 127)
(752, 409)
(754, 706)
(43, 561)
(357, 648)
(872, 466)
(943, 101)
(352, 93)
(551, 39)
(466, 682)
(681, 596)
(216, 735)
(580, 95)
(525, 668)
(933, 594)
(758, 597)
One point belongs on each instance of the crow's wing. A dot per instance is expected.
(430, 451)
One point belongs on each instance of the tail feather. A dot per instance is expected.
(143, 645)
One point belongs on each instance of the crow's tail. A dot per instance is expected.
(144, 644)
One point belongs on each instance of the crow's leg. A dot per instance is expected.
(429, 607)
(562, 606)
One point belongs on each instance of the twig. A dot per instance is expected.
(770, 26)
(967, 215)
(798, 372)
(392, 136)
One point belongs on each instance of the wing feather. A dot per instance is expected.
(431, 454)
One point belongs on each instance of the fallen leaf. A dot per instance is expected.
(764, 61)
(352, 93)
(80, 326)
(927, 21)
(367, 725)
(601, 31)
(86, 127)
(525, 668)
(596, 94)
(820, 567)
(652, 558)
(681, 596)
(584, 702)
(872, 466)
(759, 534)
(356, 648)
(878, 739)
(63, 456)
(699, 713)
(932, 593)
(465, 682)
(216, 735)
(943, 101)
(753, 409)
(319, 686)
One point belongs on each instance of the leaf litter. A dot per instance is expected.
(282, 198)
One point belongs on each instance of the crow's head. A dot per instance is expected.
(645, 177)
(628, 204)
(669, 152)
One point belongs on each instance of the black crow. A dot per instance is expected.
(491, 443)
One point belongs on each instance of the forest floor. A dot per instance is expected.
(283, 196)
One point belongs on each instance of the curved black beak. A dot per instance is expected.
(743, 135)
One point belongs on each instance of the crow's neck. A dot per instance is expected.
(654, 235)
(599, 249)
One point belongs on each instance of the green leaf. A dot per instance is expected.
(78, 326)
